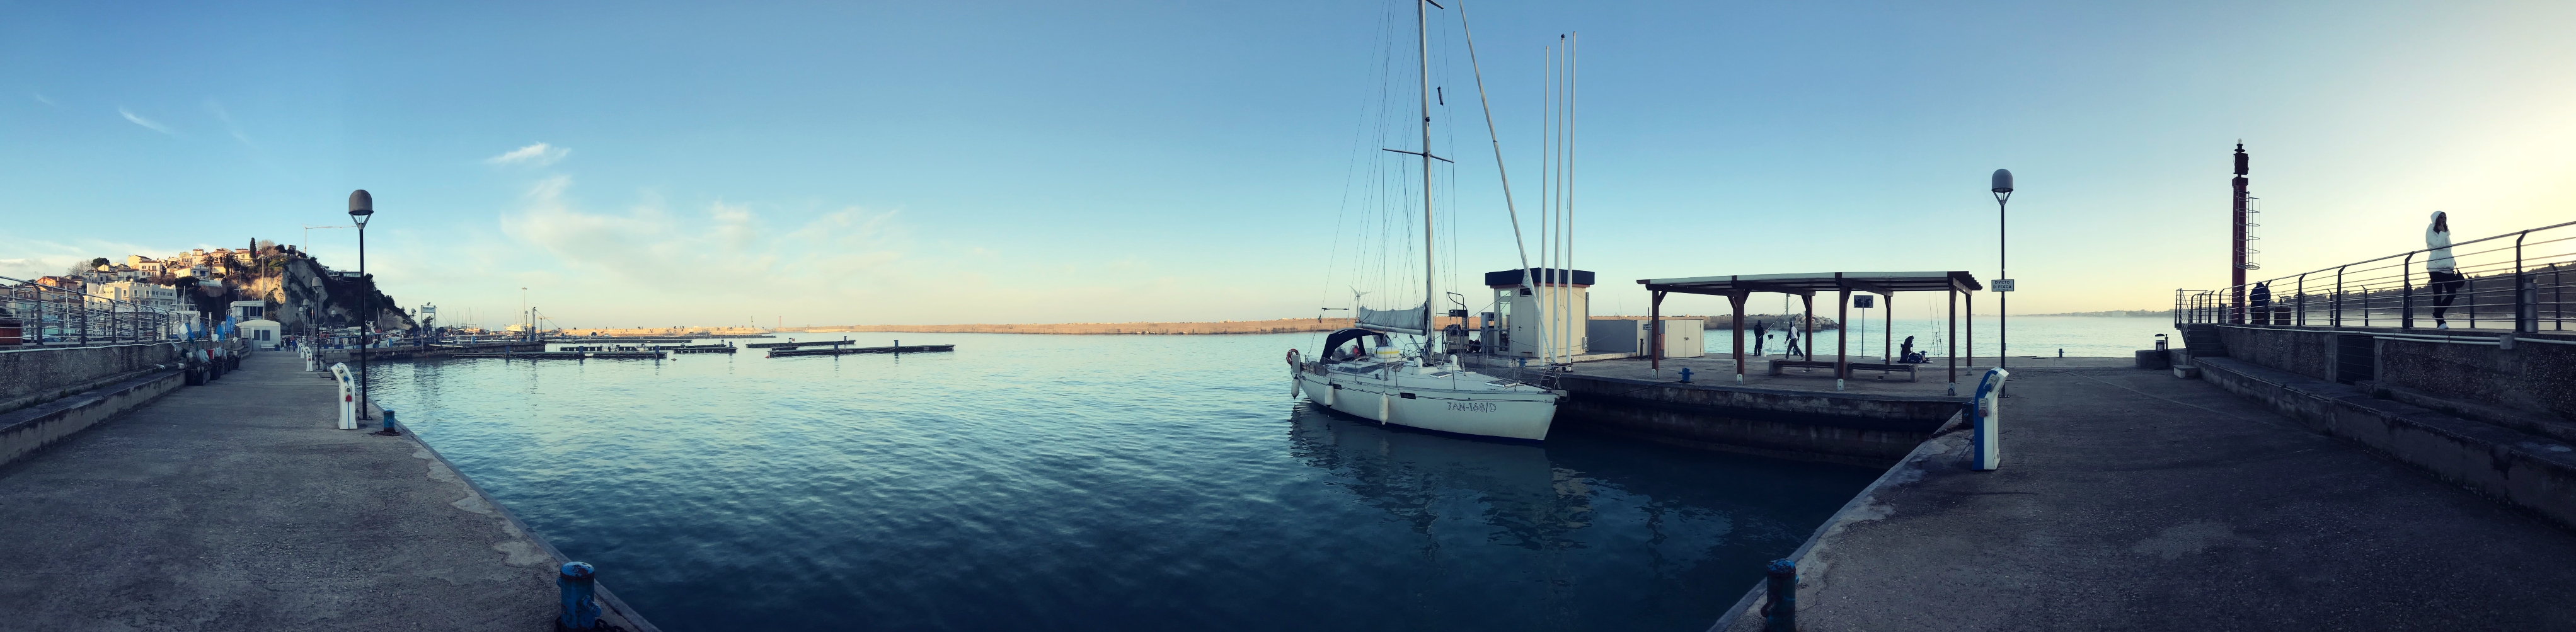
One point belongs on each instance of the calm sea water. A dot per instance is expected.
(1090, 483)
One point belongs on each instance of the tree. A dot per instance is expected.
(98, 263)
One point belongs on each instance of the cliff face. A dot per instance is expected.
(299, 292)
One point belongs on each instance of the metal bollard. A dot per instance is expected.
(1781, 613)
(389, 428)
(1987, 443)
(348, 396)
(1686, 375)
(578, 581)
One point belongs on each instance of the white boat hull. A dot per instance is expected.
(1522, 412)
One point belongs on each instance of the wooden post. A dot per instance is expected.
(1654, 333)
(1736, 298)
(1809, 346)
(1954, 335)
(1842, 335)
(1972, 330)
(1887, 337)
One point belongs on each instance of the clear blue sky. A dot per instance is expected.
(1052, 162)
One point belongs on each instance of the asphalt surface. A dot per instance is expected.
(2131, 500)
(238, 506)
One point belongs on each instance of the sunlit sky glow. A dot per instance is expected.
(664, 163)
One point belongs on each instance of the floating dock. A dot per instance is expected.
(792, 345)
(780, 353)
(725, 349)
(567, 355)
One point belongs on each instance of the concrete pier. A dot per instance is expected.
(238, 506)
(2132, 500)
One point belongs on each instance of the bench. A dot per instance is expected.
(1908, 369)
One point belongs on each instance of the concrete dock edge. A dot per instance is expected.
(609, 602)
(1947, 441)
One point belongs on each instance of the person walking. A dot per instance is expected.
(2438, 265)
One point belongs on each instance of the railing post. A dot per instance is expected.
(2526, 315)
(2406, 297)
(2301, 318)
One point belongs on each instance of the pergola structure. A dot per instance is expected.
(1886, 284)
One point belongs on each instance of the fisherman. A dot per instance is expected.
(2438, 265)
(1761, 332)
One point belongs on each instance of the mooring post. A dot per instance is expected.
(1780, 614)
(1986, 443)
(1686, 375)
(388, 429)
(578, 581)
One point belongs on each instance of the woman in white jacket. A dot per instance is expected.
(2445, 274)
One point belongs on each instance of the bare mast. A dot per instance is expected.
(1519, 244)
(1422, 40)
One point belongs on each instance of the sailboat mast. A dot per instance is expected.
(1422, 40)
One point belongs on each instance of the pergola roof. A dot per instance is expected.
(1809, 284)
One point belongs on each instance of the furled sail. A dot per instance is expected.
(1401, 321)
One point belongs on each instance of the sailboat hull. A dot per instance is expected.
(1434, 404)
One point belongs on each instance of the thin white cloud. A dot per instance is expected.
(537, 155)
(145, 122)
(227, 117)
(41, 98)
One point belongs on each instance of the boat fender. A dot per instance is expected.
(1294, 382)
(1385, 408)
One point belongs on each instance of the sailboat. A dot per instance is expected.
(1375, 379)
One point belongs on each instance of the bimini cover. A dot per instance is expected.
(1333, 343)
(1402, 321)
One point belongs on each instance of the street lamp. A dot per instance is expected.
(362, 207)
(2003, 187)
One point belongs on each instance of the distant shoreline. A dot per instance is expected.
(2117, 313)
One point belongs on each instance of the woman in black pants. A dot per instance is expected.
(2445, 274)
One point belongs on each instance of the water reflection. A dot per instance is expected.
(1599, 523)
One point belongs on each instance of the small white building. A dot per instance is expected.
(1558, 303)
(246, 311)
(262, 334)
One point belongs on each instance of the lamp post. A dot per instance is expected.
(362, 207)
(2003, 188)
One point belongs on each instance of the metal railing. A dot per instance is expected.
(2514, 282)
(44, 315)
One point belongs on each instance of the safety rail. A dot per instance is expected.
(2514, 282)
(39, 314)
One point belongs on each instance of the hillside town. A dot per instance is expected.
(265, 291)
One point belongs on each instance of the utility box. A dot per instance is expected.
(1616, 336)
(1683, 337)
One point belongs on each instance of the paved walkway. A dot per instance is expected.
(2131, 500)
(237, 506)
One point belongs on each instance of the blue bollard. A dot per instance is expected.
(580, 608)
(1685, 375)
(1781, 614)
(388, 429)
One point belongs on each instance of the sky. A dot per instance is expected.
(657, 164)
